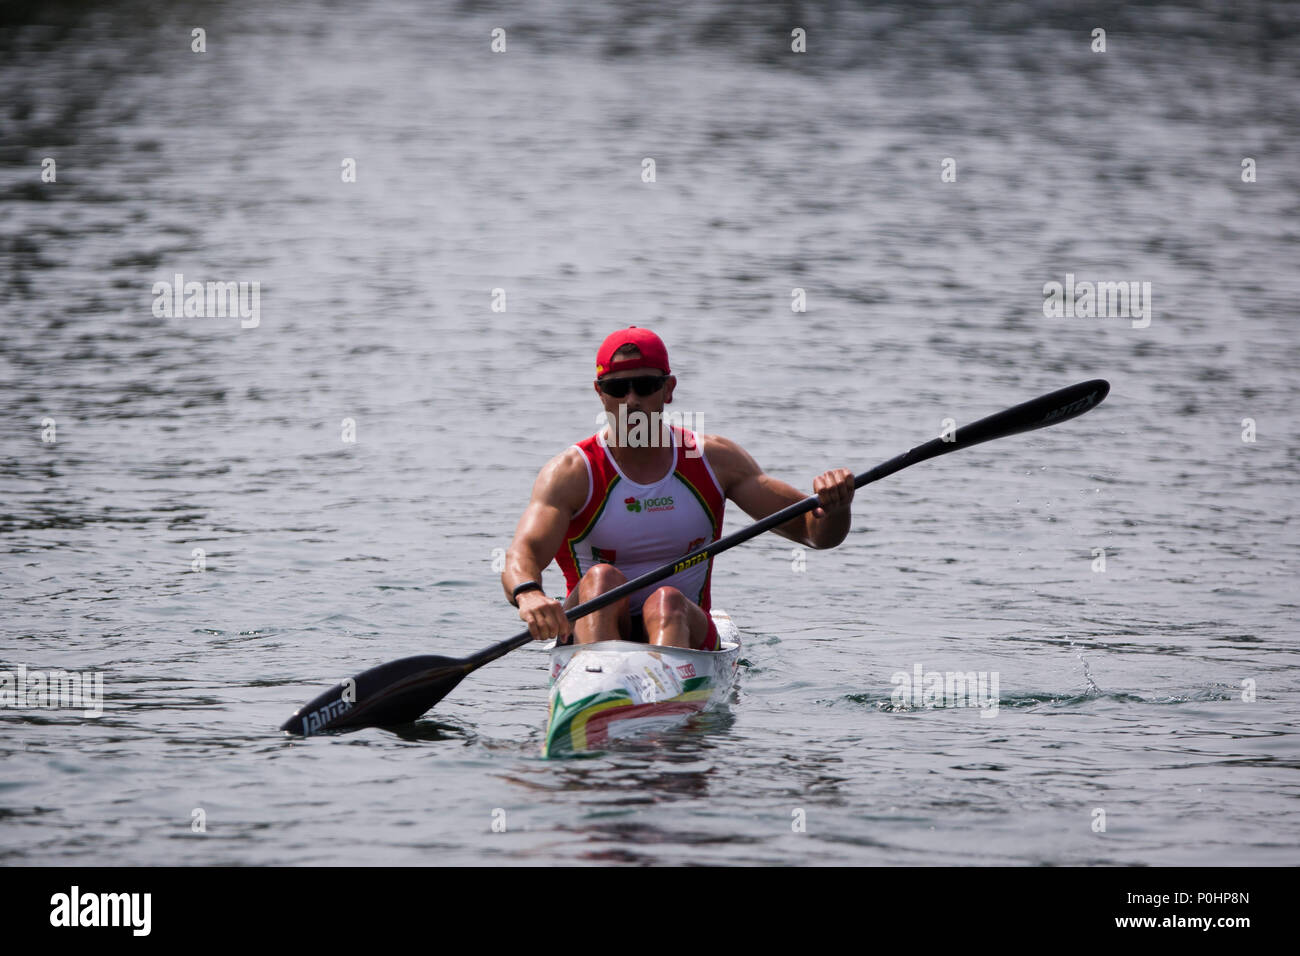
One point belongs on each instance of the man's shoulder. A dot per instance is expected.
(727, 459)
(568, 465)
(719, 447)
(564, 479)
(720, 442)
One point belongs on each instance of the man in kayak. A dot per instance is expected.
(628, 500)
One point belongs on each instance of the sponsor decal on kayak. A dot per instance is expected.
(654, 683)
(686, 670)
(924, 688)
(641, 689)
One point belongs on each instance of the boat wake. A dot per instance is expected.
(884, 700)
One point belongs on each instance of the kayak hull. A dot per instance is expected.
(615, 689)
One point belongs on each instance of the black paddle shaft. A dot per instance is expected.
(1050, 409)
(402, 690)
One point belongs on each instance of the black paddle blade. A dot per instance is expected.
(1051, 409)
(394, 693)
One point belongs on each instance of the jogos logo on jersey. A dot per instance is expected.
(649, 504)
(603, 555)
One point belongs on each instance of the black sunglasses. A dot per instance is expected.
(643, 384)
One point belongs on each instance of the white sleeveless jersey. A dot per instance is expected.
(639, 527)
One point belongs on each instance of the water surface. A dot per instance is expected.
(1119, 691)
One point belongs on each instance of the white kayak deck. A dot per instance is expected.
(613, 689)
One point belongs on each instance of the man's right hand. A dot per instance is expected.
(544, 616)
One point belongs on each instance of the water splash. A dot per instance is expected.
(1092, 689)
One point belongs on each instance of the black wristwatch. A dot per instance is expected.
(526, 586)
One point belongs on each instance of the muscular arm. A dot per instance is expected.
(759, 495)
(558, 494)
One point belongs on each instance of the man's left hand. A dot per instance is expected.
(834, 489)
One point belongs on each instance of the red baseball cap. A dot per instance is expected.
(653, 352)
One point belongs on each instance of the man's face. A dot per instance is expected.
(647, 404)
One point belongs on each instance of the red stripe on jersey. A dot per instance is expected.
(603, 474)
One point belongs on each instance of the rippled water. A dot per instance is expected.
(1119, 691)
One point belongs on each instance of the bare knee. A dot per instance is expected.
(665, 603)
(610, 622)
(601, 578)
(671, 619)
